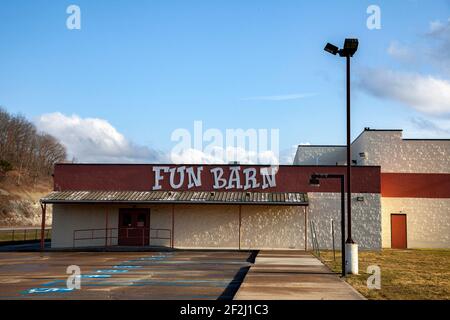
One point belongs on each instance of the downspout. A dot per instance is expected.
(44, 209)
(106, 227)
(173, 225)
(240, 215)
(305, 209)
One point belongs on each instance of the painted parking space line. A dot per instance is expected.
(47, 290)
(149, 273)
(111, 271)
(95, 279)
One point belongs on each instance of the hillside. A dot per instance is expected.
(27, 157)
(19, 202)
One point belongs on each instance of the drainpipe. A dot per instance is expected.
(44, 209)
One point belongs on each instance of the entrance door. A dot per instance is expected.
(398, 231)
(134, 227)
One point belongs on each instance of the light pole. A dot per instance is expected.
(350, 47)
(315, 181)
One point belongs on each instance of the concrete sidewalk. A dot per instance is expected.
(293, 275)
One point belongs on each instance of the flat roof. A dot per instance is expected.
(177, 197)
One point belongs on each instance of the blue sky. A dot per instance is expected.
(149, 67)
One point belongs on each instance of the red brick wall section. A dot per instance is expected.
(132, 177)
(415, 185)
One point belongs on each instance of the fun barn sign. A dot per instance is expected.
(167, 177)
(188, 177)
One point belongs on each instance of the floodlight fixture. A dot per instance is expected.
(331, 48)
(350, 47)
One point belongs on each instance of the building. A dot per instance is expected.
(415, 183)
(207, 206)
(400, 199)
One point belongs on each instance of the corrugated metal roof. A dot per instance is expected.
(198, 197)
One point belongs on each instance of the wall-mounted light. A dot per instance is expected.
(314, 181)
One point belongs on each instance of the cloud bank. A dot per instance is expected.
(94, 140)
(427, 94)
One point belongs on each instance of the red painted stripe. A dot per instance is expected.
(415, 185)
(116, 177)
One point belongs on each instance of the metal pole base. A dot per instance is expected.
(351, 258)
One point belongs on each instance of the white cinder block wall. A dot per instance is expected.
(428, 219)
(273, 227)
(387, 148)
(68, 218)
(195, 226)
(366, 218)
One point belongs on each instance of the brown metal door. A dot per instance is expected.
(398, 231)
(134, 227)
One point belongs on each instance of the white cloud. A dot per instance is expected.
(94, 140)
(437, 27)
(224, 156)
(425, 127)
(294, 96)
(287, 156)
(426, 94)
(401, 52)
(438, 45)
(430, 93)
(431, 49)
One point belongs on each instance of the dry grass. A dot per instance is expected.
(19, 203)
(405, 274)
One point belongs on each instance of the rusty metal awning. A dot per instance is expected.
(184, 197)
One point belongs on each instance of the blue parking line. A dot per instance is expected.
(108, 277)
(111, 271)
(94, 279)
(46, 290)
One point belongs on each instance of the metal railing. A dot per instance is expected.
(315, 241)
(108, 234)
(23, 234)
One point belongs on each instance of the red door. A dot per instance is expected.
(398, 231)
(134, 227)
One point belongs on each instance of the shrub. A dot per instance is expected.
(5, 166)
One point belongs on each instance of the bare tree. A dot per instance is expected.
(28, 151)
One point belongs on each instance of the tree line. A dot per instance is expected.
(25, 149)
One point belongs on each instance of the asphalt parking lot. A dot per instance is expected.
(121, 275)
